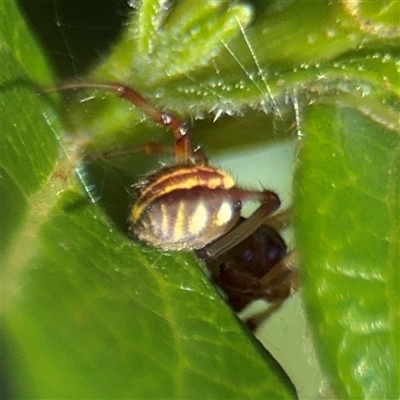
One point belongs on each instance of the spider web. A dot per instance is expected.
(75, 34)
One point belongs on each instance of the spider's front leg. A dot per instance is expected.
(184, 152)
(270, 202)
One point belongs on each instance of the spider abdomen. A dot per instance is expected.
(184, 208)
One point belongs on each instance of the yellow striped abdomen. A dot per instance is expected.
(184, 208)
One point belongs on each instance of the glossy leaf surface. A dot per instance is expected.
(348, 232)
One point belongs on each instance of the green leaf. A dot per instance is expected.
(103, 317)
(260, 69)
(347, 219)
(28, 156)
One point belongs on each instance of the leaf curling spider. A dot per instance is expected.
(192, 205)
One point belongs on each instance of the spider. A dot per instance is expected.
(192, 205)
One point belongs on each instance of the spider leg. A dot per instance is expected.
(285, 271)
(280, 282)
(269, 203)
(184, 152)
